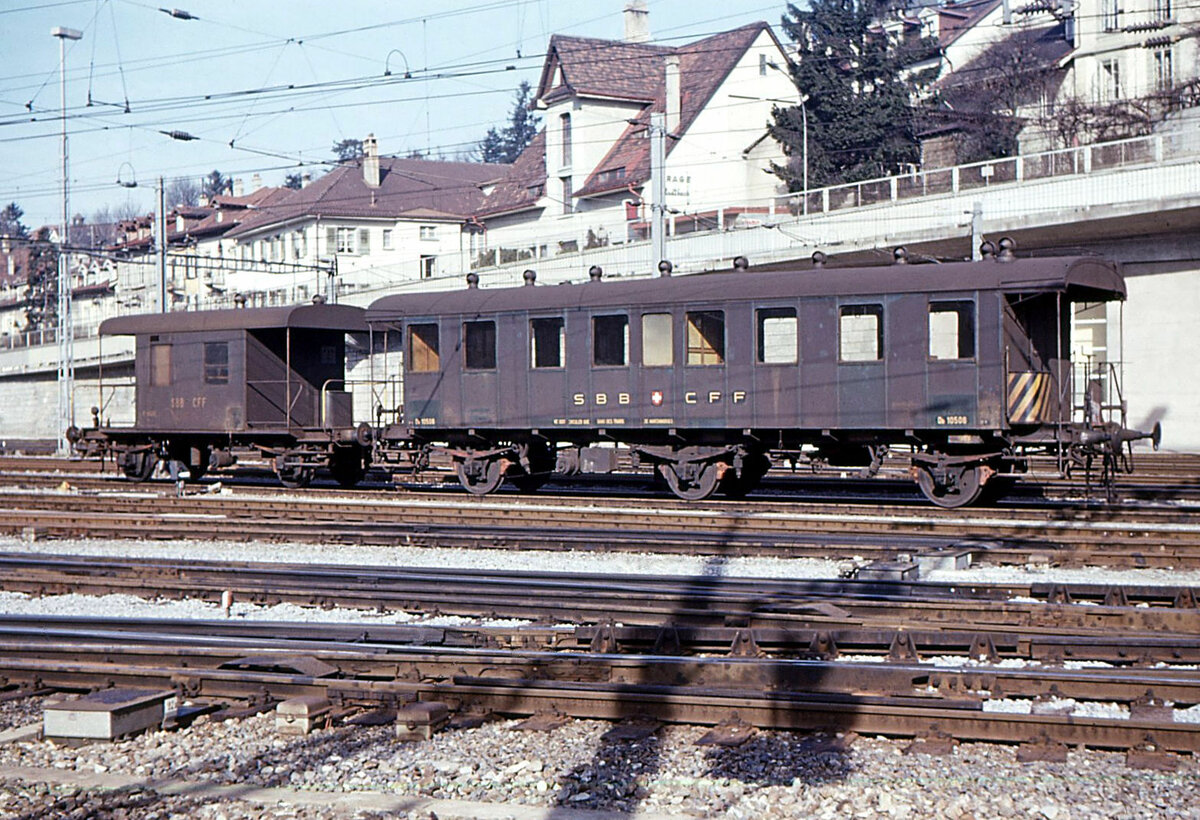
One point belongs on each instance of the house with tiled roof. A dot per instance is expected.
(369, 223)
(584, 181)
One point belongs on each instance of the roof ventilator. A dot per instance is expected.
(530, 277)
(472, 280)
(665, 268)
(900, 256)
(741, 263)
(1007, 250)
(595, 272)
(819, 259)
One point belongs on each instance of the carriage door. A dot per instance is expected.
(951, 374)
(862, 386)
(547, 360)
(1033, 352)
(480, 397)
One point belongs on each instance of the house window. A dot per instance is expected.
(216, 362)
(1110, 80)
(423, 354)
(479, 345)
(387, 239)
(610, 340)
(861, 333)
(565, 119)
(341, 240)
(706, 337)
(567, 193)
(1164, 69)
(1111, 13)
(762, 65)
(428, 266)
(549, 340)
(160, 365)
(777, 336)
(658, 344)
(364, 241)
(428, 232)
(299, 245)
(951, 330)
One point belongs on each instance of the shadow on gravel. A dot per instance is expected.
(707, 781)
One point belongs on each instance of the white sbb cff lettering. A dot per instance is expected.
(656, 398)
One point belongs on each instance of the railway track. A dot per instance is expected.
(900, 698)
(1125, 535)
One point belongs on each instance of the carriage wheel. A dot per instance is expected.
(754, 467)
(295, 477)
(691, 481)
(479, 477)
(346, 466)
(964, 488)
(138, 466)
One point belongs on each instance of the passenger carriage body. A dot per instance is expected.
(707, 376)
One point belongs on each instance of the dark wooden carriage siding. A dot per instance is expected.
(253, 397)
(905, 390)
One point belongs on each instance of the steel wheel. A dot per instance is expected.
(690, 481)
(295, 478)
(479, 477)
(138, 466)
(964, 490)
(346, 466)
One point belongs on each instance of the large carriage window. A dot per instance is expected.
(479, 343)
(216, 362)
(777, 336)
(423, 354)
(160, 365)
(610, 340)
(706, 337)
(658, 342)
(549, 341)
(861, 338)
(951, 330)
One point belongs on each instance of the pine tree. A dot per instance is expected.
(216, 184)
(10, 222)
(861, 123)
(507, 145)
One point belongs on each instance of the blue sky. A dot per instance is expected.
(267, 86)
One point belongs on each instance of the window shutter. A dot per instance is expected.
(331, 240)
(364, 240)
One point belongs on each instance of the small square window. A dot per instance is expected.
(479, 345)
(160, 365)
(777, 336)
(548, 341)
(216, 363)
(706, 337)
(861, 333)
(658, 344)
(423, 348)
(610, 340)
(951, 330)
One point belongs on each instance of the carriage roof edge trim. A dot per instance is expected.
(319, 317)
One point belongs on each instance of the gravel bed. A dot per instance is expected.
(773, 775)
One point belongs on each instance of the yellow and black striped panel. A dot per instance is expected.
(1029, 398)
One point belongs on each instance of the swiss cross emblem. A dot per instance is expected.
(656, 398)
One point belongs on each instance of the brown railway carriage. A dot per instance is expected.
(266, 378)
(710, 376)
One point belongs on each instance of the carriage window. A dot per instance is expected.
(216, 362)
(549, 342)
(610, 340)
(861, 333)
(951, 330)
(706, 337)
(777, 336)
(160, 365)
(423, 349)
(658, 343)
(479, 343)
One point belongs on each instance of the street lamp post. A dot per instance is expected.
(66, 353)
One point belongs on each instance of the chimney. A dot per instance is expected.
(238, 190)
(637, 22)
(371, 161)
(255, 182)
(673, 92)
(305, 179)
